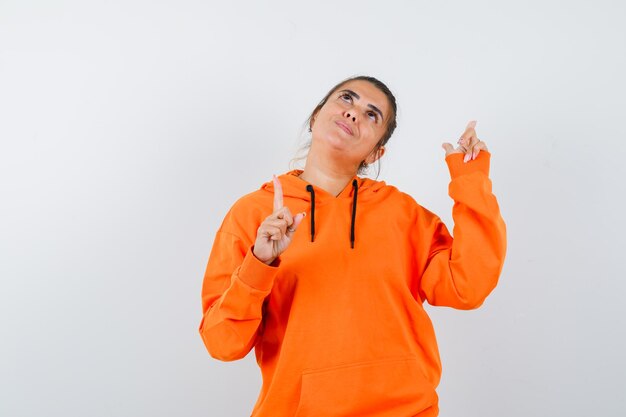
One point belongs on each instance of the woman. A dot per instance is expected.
(333, 305)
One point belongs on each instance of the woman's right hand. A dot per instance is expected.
(469, 144)
(275, 233)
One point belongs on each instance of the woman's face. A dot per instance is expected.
(351, 123)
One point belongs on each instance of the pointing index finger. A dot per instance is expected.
(278, 194)
(468, 134)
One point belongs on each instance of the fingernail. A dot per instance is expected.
(467, 157)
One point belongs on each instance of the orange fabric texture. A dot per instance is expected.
(341, 331)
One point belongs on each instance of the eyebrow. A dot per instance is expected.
(371, 106)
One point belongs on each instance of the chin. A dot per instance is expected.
(336, 138)
(333, 141)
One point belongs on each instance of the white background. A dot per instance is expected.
(128, 128)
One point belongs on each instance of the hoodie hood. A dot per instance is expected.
(357, 189)
(295, 187)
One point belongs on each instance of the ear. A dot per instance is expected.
(375, 156)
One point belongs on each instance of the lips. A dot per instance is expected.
(345, 127)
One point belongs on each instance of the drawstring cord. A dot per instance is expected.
(355, 187)
(352, 223)
(309, 188)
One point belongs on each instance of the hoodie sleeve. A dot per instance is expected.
(462, 271)
(234, 288)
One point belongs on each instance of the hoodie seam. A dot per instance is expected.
(229, 233)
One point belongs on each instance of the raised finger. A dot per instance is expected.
(468, 133)
(468, 139)
(278, 194)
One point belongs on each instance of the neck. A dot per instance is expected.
(327, 174)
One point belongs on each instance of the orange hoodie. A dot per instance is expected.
(337, 321)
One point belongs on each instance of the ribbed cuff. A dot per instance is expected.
(257, 274)
(457, 167)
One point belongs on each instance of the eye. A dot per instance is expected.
(373, 115)
(346, 97)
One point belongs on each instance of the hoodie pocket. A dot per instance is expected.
(382, 388)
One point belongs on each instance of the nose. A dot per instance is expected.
(350, 114)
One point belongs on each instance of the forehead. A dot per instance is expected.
(369, 94)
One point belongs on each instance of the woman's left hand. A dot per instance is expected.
(469, 144)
